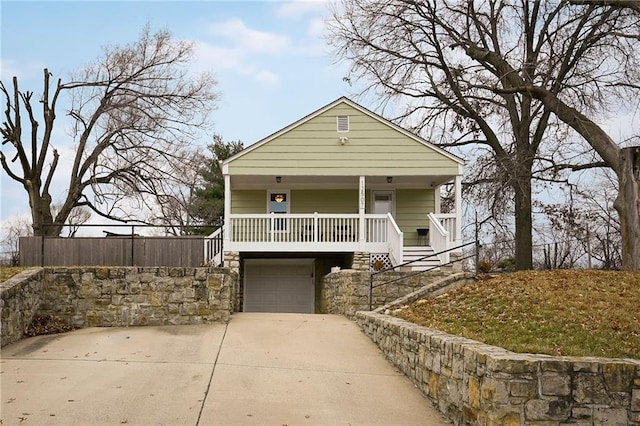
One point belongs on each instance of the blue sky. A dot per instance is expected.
(269, 57)
(270, 60)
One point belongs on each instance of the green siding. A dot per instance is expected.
(324, 201)
(302, 201)
(412, 208)
(373, 149)
(248, 202)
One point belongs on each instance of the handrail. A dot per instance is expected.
(436, 222)
(213, 247)
(371, 286)
(395, 244)
(439, 237)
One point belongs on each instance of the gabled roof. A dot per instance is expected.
(355, 106)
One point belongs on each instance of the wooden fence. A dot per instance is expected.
(112, 251)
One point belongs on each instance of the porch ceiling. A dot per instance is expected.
(335, 182)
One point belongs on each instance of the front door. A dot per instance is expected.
(383, 202)
(278, 203)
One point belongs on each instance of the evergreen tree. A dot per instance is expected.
(207, 205)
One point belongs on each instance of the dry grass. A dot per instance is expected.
(579, 313)
(7, 272)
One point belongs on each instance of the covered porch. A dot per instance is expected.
(373, 214)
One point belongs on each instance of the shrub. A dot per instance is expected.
(507, 264)
(484, 266)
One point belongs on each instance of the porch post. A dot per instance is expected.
(362, 195)
(458, 209)
(227, 212)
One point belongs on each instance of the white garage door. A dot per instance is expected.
(279, 285)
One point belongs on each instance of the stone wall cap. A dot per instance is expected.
(20, 277)
(495, 352)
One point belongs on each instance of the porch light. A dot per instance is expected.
(279, 198)
(278, 179)
(389, 179)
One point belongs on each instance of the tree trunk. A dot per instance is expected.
(625, 162)
(627, 205)
(524, 223)
(40, 206)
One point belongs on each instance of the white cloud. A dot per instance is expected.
(246, 51)
(209, 57)
(249, 40)
(316, 28)
(267, 78)
(9, 68)
(299, 8)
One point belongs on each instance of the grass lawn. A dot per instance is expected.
(7, 272)
(566, 312)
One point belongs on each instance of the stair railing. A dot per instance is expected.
(438, 254)
(439, 238)
(213, 248)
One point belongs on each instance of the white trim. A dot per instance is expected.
(252, 232)
(362, 202)
(227, 209)
(360, 108)
(458, 208)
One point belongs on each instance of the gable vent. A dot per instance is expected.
(343, 123)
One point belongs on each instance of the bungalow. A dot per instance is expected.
(340, 187)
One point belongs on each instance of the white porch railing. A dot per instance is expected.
(396, 241)
(213, 248)
(439, 238)
(448, 222)
(312, 232)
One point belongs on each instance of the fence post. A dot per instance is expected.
(42, 249)
(370, 291)
(132, 241)
(477, 246)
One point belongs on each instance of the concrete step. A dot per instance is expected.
(416, 252)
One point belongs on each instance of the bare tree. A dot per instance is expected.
(597, 222)
(173, 207)
(583, 230)
(455, 62)
(12, 229)
(612, 58)
(77, 217)
(134, 112)
(562, 234)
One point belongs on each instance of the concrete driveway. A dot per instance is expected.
(260, 369)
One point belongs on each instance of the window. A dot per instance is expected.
(343, 123)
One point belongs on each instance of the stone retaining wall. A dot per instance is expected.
(474, 383)
(117, 296)
(435, 288)
(347, 291)
(20, 298)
